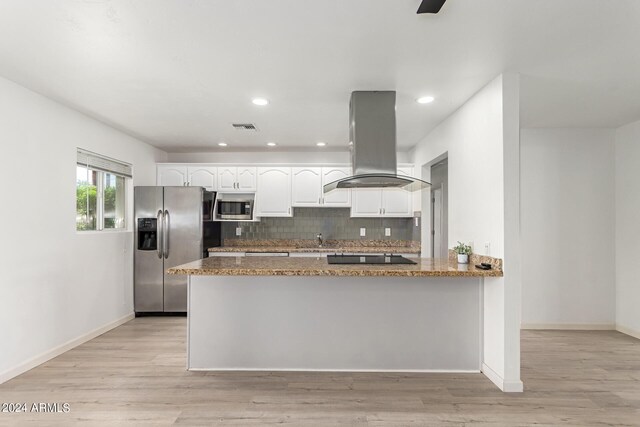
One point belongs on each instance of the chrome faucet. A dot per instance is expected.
(319, 237)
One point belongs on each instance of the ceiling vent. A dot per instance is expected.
(245, 126)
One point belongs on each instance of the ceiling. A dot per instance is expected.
(177, 73)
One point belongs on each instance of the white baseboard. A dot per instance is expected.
(506, 386)
(570, 326)
(366, 371)
(628, 331)
(56, 351)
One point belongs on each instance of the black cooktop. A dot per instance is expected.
(368, 259)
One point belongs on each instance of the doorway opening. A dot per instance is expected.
(439, 209)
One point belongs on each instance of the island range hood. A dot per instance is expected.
(372, 132)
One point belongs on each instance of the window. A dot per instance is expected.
(101, 192)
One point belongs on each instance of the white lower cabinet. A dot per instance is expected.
(302, 254)
(225, 254)
(308, 254)
(273, 197)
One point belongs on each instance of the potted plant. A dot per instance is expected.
(463, 252)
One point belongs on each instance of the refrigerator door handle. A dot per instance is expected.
(160, 225)
(165, 233)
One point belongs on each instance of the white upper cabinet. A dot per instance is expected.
(278, 189)
(273, 197)
(306, 188)
(227, 179)
(187, 175)
(336, 198)
(247, 178)
(203, 176)
(308, 183)
(397, 202)
(172, 175)
(367, 202)
(236, 179)
(386, 202)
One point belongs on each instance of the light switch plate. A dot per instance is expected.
(387, 232)
(363, 232)
(238, 231)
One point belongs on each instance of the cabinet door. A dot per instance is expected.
(306, 187)
(202, 176)
(367, 202)
(227, 179)
(398, 202)
(171, 175)
(336, 198)
(246, 179)
(274, 195)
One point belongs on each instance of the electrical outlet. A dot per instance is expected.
(363, 232)
(417, 222)
(487, 248)
(238, 231)
(387, 232)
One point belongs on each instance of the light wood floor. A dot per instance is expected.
(135, 375)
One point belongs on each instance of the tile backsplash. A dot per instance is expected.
(333, 223)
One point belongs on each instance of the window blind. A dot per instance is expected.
(104, 164)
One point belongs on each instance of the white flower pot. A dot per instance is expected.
(463, 259)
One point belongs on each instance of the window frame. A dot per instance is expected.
(100, 199)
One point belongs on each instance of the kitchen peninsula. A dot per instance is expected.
(283, 313)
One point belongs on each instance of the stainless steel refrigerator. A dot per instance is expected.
(169, 232)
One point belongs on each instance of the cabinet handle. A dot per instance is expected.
(289, 211)
(319, 200)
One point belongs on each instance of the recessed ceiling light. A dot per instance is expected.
(260, 101)
(425, 100)
(321, 144)
(271, 144)
(222, 144)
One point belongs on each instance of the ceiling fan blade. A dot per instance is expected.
(430, 6)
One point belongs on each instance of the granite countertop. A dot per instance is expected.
(323, 249)
(287, 266)
(311, 246)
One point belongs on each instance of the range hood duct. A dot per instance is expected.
(372, 136)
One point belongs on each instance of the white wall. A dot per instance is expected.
(272, 156)
(483, 191)
(57, 285)
(627, 199)
(568, 222)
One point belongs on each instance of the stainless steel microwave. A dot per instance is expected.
(234, 210)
